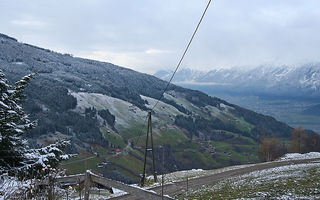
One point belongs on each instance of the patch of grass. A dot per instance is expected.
(236, 153)
(242, 125)
(172, 137)
(191, 157)
(71, 160)
(115, 139)
(76, 167)
(128, 162)
(82, 166)
(248, 140)
(134, 131)
(127, 174)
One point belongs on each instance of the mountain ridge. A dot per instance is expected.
(295, 81)
(101, 107)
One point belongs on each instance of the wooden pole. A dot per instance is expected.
(68, 194)
(162, 177)
(149, 128)
(51, 186)
(299, 142)
(153, 165)
(145, 158)
(80, 189)
(87, 185)
(187, 183)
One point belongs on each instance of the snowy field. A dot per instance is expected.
(119, 108)
(10, 185)
(190, 174)
(195, 173)
(298, 156)
(13, 189)
(300, 181)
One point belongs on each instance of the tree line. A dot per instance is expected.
(300, 142)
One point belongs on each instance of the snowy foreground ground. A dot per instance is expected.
(300, 181)
(288, 182)
(298, 156)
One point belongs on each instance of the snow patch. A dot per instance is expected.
(298, 156)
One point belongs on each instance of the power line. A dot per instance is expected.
(144, 125)
(183, 55)
(178, 65)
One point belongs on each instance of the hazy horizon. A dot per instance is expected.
(151, 35)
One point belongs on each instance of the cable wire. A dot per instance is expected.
(143, 127)
(177, 67)
(183, 55)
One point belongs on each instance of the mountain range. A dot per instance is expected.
(101, 108)
(280, 81)
(288, 93)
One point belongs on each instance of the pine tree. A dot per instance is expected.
(45, 158)
(14, 122)
(15, 155)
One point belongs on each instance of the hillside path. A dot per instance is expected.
(76, 161)
(181, 186)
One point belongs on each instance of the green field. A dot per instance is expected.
(193, 153)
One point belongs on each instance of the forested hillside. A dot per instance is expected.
(101, 107)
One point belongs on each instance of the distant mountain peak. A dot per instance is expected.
(303, 80)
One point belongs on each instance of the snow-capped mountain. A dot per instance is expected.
(269, 80)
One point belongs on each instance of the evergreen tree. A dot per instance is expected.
(15, 155)
(14, 122)
(45, 158)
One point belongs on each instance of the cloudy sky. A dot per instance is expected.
(149, 35)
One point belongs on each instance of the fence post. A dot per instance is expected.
(87, 185)
(51, 188)
(80, 189)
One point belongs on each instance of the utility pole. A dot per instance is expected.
(87, 185)
(149, 128)
(299, 141)
(162, 177)
(152, 149)
(187, 184)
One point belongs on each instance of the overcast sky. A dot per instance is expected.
(149, 35)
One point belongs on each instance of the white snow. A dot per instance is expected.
(119, 108)
(226, 106)
(126, 114)
(11, 187)
(298, 156)
(18, 63)
(190, 174)
(254, 184)
(64, 157)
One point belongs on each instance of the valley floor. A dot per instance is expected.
(289, 111)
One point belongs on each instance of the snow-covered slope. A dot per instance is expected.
(102, 107)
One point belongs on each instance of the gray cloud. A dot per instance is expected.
(149, 35)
